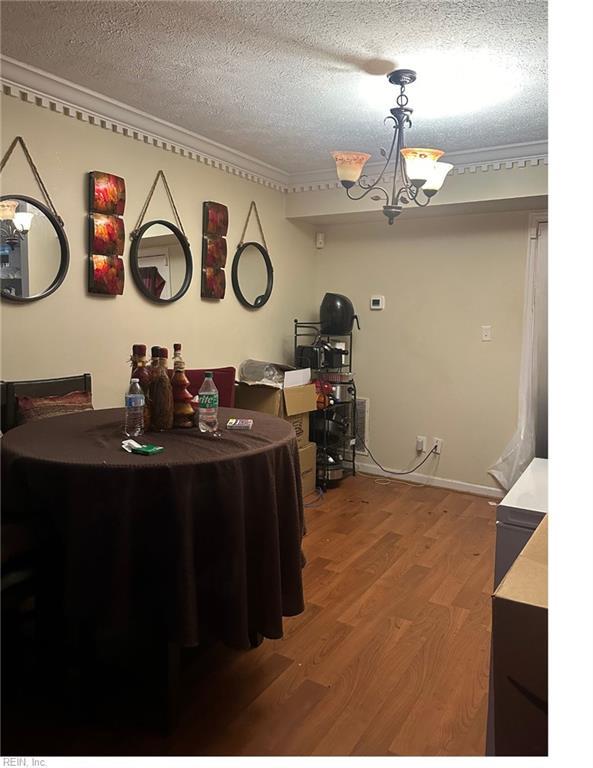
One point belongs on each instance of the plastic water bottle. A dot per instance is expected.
(134, 417)
(208, 405)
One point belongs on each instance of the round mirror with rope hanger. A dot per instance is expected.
(34, 250)
(160, 255)
(252, 273)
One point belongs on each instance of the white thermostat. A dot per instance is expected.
(377, 302)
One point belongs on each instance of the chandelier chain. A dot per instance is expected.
(402, 99)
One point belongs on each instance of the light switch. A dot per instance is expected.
(486, 333)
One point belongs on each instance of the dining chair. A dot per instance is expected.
(19, 538)
(10, 391)
(224, 378)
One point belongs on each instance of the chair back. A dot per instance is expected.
(11, 390)
(224, 378)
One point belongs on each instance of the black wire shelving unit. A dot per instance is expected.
(332, 428)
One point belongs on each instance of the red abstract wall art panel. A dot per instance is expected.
(213, 283)
(216, 219)
(214, 252)
(106, 275)
(107, 235)
(107, 193)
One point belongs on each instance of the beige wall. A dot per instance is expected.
(71, 331)
(420, 360)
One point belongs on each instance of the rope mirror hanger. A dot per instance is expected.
(13, 234)
(262, 298)
(148, 289)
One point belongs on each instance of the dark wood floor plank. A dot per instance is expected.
(447, 590)
(444, 708)
(220, 699)
(359, 687)
(384, 597)
(419, 653)
(325, 639)
(471, 594)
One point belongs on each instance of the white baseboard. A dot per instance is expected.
(437, 482)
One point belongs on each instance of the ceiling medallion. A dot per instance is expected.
(419, 170)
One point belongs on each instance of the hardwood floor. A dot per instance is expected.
(390, 656)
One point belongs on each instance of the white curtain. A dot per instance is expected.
(533, 386)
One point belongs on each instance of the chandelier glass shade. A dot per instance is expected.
(414, 169)
(22, 220)
(14, 225)
(349, 166)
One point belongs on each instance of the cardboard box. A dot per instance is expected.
(308, 464)
(520, 652)
(292, 404)
(257, 397)
(298, 401)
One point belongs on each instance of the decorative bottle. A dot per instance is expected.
(154, 368)
(141, 372)
(182, 411)
(161, 394)
(153, 372)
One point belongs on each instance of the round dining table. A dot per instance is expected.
(203, 538)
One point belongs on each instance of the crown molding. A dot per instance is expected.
(46, 90)
(484, 159)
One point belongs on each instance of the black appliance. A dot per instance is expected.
(309, 357)
(334, 357)
(319, 355)
(337, 315)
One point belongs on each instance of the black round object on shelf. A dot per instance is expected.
(336, 314)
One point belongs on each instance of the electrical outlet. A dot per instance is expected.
(438, 444)
(420, 443)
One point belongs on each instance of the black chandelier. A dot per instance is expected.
(421, 170)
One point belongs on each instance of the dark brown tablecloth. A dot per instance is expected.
(204, 536)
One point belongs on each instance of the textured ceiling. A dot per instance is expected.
(285, 82)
